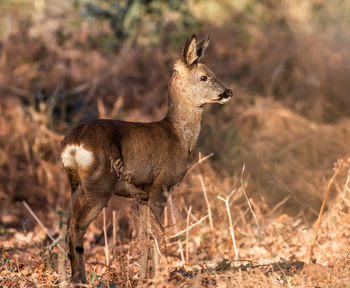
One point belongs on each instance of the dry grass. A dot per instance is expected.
(266, 255)
(287, 126)
(288, 155)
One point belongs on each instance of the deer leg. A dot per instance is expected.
(155, 253)
(143, 237)
(157, 233)
(151, 230)
(83, 211)
(126, 189)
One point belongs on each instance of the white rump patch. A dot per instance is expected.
(76, 156)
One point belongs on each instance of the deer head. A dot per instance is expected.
(193, 81)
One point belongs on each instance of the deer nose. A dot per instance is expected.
(227, 94)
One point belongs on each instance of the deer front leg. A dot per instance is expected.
(156, 206)
(143, 237)
(150, 233)
(156, 203)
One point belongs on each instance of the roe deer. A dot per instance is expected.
(138, 160)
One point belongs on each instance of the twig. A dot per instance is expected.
(246, 197)
(170, 201)
(105, 235)
(346, 189)
(166, 221)
(156, 244)
(116, 107)
(200, 160)
(298, 202)
(241, 216)
(194, 218)
(188, 230)
(15, 90)
(52, 100)
(101, 108)
(91, 93)
(127, 266)
(114, 232)
(279, 204)
(207, 201)
(42, 226)
(342, 163)
(226, 200)
(79, 89)
(57, 240)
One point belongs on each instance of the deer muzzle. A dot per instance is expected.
(225, 96)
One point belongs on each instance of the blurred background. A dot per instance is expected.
(288, 62)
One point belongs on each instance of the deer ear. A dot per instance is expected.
(202, 46)
(189, 52)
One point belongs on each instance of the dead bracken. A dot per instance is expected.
(245, 214)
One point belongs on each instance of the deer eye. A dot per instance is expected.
(204, 78)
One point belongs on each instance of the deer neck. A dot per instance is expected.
(185, 119)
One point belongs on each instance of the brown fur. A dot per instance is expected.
(138, 160)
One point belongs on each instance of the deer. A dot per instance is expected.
(144, 161)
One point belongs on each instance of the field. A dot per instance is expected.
(245, 215)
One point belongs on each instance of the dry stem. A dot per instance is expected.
(246, 197)
(200, 160)
(226, 200)
(207, 201)
(114, 231)
(187, 232)
(342, 163)
(170, 201)
(189, 228)
(278, 205)
(44, 228)
(105, 235)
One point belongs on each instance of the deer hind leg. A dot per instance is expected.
(83, 211)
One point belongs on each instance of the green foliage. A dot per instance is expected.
(94, 277)
(205, 237)
(142, 22)
(49, 257)
(286, 279)
(62, 37)
(6, 255)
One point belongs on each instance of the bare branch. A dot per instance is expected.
(42, 226)
(207, 201)
(190, 227)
